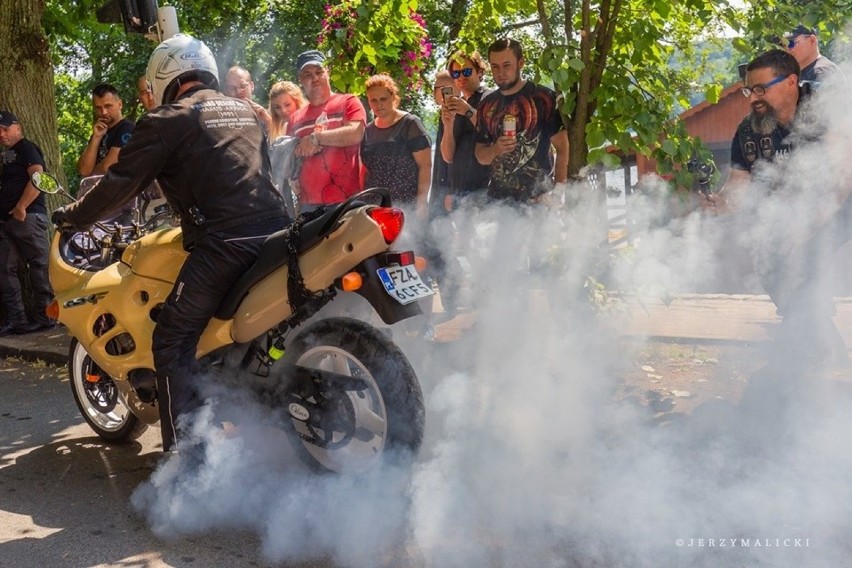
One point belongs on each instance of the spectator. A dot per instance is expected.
(284, 99)
(396, 148)
(143, 91)
(517, 125)
(330, 129)
(440, 168)
(23, 233)
(397, 154)
(796, 275)
(209, 154)
(458, 115)
(803, 44)
(110, 132)
(238, 84)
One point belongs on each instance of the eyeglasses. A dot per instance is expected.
(456, 73)
(760, 90)
(236, 88)
(792, 43)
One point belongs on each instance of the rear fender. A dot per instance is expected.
(374, 292)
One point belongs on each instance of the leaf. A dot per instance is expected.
(712, 93)
(669, 147)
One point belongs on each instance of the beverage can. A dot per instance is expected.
(510, 125)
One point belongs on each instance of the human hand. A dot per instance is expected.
(59, 218)
(99, 128)
(447, 116)
(458, 105)
(505, 145)
(262, 114)
(19, 213)
(713, 203)
(449, 202)
(305, 148)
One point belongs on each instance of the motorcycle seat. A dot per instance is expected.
(274, 254)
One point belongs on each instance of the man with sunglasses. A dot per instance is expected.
(458, 116)
(803, 44)
(792, 250)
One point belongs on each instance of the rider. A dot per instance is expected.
(209, 155)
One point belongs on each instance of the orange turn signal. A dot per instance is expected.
(351, 281)
(420, 263)
(93, 378)
(52, 310)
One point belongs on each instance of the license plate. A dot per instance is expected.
(403, 283)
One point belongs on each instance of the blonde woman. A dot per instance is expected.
(284, 99)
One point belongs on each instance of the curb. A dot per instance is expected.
(48, 346)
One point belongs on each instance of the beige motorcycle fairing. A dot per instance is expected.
(111, 312)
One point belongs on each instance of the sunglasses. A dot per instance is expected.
(456, 73)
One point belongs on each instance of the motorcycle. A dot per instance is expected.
(346, 393)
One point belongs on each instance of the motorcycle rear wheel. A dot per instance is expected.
(99, 402)
(387, 417)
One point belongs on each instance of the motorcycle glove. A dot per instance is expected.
(60, 220)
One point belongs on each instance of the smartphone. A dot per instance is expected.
(446, 93)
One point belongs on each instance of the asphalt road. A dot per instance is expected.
(65, 495)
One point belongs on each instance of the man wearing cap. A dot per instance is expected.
(803, 44)
(110, 132)
(330, 127)
(23, 232)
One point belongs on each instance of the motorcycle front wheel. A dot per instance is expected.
(97, 398)
(352, 429)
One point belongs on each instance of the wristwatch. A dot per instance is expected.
(469, 113)
(314, 139)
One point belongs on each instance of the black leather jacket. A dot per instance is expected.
(209, 155)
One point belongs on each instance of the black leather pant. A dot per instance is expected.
(215, 263)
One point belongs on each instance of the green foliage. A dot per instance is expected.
(366, 37)
(762, 23)
(625, 69)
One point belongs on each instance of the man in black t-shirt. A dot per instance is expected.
(795, 271)
(516, 126)
(23, 232)
(110, 132)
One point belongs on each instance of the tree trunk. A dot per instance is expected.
(26, 87)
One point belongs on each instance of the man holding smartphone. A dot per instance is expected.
(458, 115)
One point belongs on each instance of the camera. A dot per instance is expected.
(702, 172)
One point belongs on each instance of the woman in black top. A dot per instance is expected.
(396, 149)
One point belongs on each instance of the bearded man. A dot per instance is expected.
(794, 266)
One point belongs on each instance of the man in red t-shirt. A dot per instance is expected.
(331, 127)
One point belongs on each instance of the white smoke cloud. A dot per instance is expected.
(530, 457)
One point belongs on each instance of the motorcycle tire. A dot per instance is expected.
(98, 400)
(387, 417)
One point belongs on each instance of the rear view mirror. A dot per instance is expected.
(46, 183)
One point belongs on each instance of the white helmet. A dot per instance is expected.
(179, 59)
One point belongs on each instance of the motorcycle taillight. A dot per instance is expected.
(390, 221)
